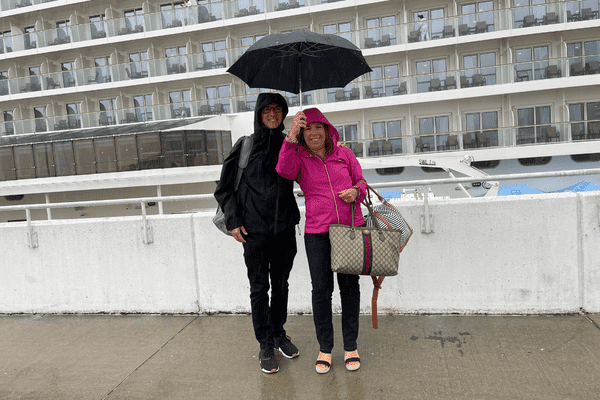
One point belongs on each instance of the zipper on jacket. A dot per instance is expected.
(332, 192)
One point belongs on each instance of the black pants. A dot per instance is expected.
(318, 251)
(269, 256)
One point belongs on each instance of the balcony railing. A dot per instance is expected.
(477, 139)
(361, 89)
(401, 33)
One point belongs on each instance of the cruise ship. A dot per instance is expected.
(118, 99)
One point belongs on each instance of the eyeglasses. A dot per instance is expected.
(277, 109)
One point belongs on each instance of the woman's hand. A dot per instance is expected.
(299, 122)
(349, 195)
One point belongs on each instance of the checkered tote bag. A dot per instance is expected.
(387, 216)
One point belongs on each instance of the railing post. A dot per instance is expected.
(32, 239)
(147, 236)
(426, 216)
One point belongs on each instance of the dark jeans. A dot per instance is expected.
(318, 251)
(269, 256)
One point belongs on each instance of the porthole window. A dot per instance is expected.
(389, 171)
(530, 162)
(489, 164)
(594, 157)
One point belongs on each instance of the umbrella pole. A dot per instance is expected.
(300, 81)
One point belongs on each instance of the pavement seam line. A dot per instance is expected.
(148, 359)
(589, 319)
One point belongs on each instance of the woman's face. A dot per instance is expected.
(314, 136)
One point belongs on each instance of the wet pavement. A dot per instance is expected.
(216, 357)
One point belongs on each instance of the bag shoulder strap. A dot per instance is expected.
(244, 157)
(377, 281)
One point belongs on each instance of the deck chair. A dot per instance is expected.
(552, 134)
(420, 145)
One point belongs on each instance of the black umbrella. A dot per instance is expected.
(300, 61)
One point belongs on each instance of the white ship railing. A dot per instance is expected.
(426, 223)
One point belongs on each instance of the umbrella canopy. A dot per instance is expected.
(300, 61)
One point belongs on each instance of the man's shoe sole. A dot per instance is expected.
(273, 371)
(286, 356)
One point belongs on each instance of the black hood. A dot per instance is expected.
(264, 99)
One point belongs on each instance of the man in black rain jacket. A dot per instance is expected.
(262, 215)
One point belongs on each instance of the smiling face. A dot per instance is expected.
(315, 135)
(272, 116)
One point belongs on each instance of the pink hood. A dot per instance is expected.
(323, 180)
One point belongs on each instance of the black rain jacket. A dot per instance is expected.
(264, 202)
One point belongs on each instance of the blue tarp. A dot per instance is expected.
(517, 190)
(582, 186)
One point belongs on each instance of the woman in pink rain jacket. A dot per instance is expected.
(331, 179)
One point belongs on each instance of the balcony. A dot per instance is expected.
(370, 38)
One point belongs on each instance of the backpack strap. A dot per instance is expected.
(244, 157)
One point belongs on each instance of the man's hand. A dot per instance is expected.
(237, 234)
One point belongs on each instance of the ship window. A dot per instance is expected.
(106, 157)
(432, 75)
(102, 70)
(528, 162)
(343, 29)
(8, 127)
(527, 70)
(214, 53)
(173, 150)
(482, 11)
(149, 150)
(181, 105)
(4, 83)
(537, 8)
(218, 99)
(39, 114)
(248, 41)
(488, 121)
(6, 42)
(384, 80)
(73, 114)
(29, 37)
(143, 107)
(14, 197)
(489, 164)
(429, 29)
(172, 14)
(431, 169)
(7, 164)
(380, 30)
(98, 26)
(387, 138)
(580, 158)
(196, 148)
(64, 158)
(482, 65)
(24, 162)
(126, 149)
(176, 59)
(533, 124)
(107, 111)
(44, 160)
(138, 62)
(68, 74)
(433, 133)
(134, 20)
(84, 156)
(349, 136)
(389, 171)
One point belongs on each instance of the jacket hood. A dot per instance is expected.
(314, 115)
(263, 100)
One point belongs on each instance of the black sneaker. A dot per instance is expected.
(268, 361)
(286, 347)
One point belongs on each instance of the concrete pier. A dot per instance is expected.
(216, 357)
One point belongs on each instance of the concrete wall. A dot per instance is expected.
(516, 254)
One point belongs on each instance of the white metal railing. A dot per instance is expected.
(426, 217)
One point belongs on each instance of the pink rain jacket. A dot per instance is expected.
(322, 181)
